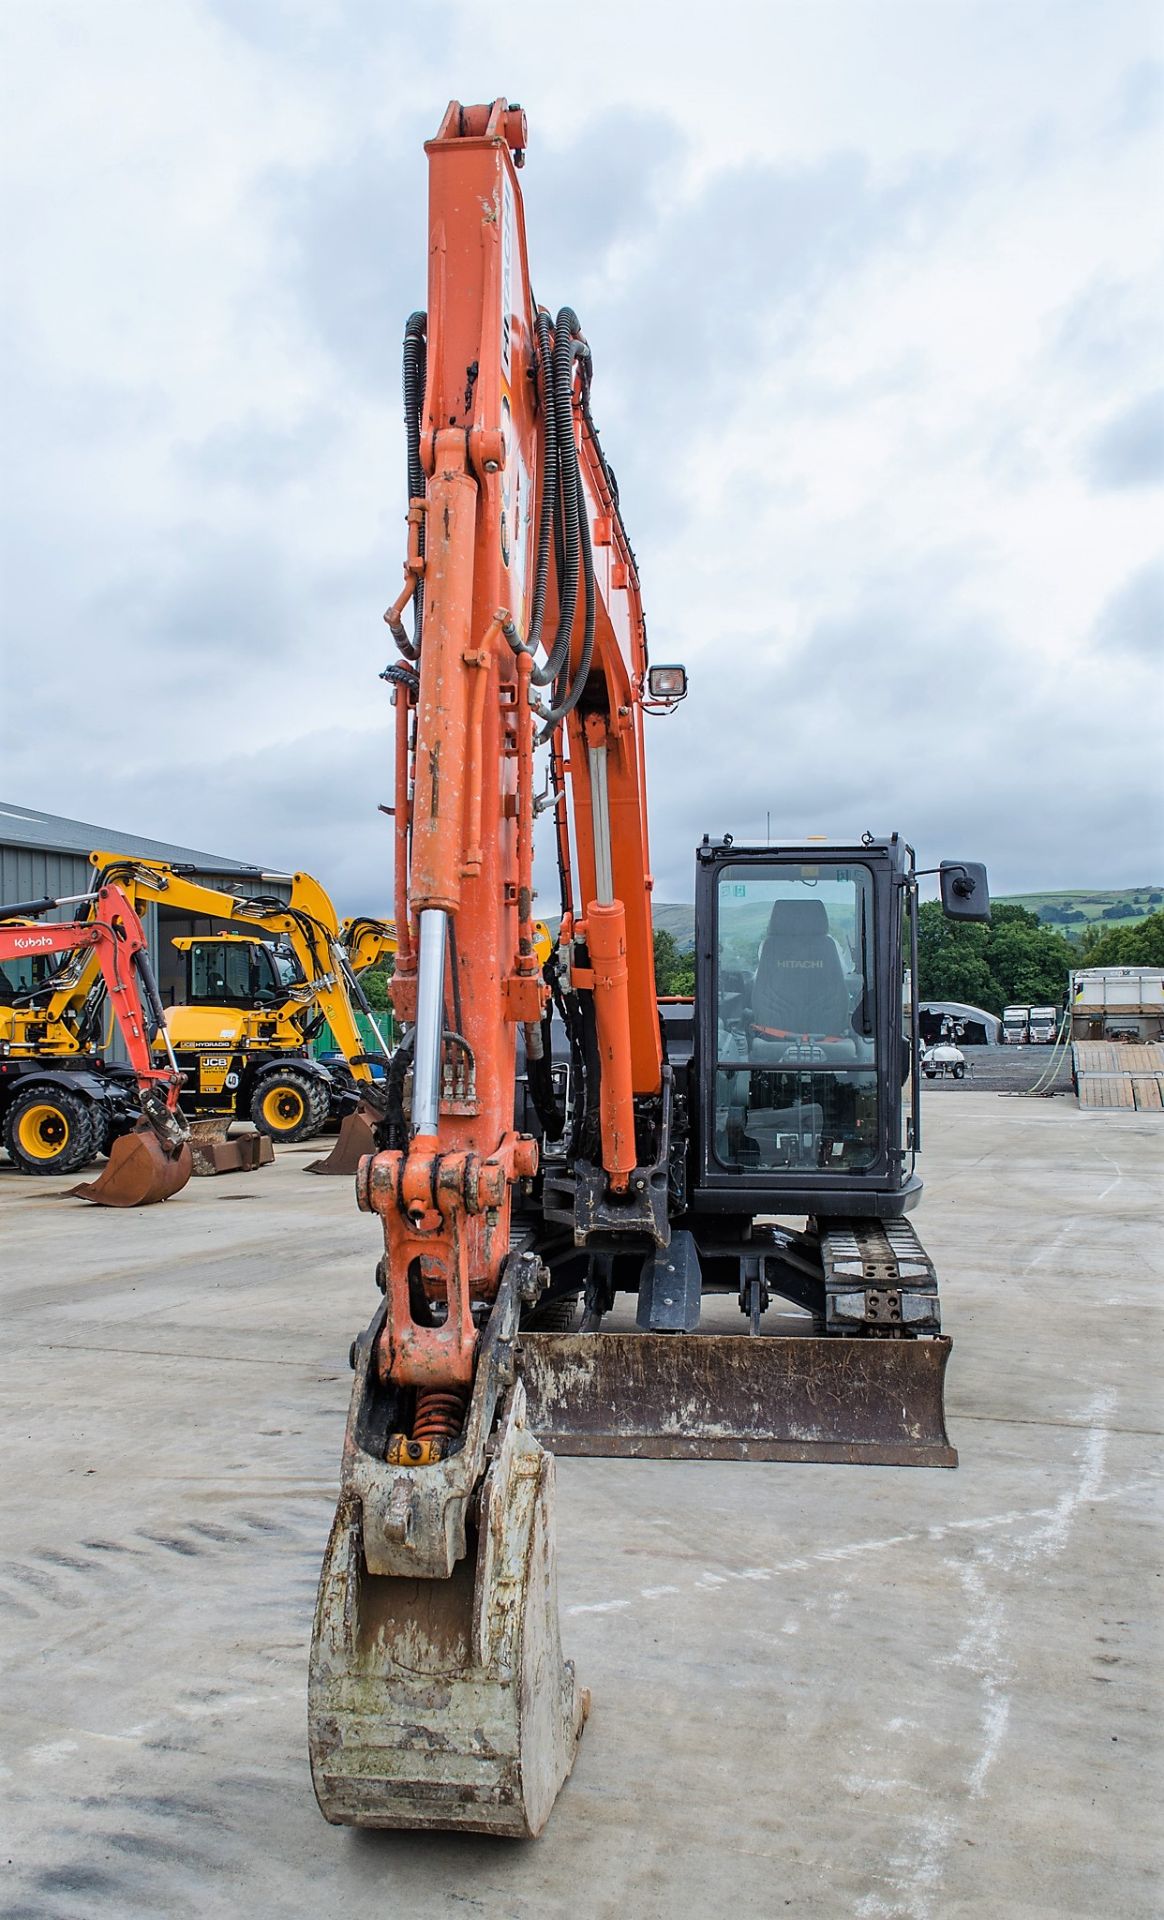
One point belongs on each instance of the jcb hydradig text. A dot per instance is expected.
(559, 1140)
(150, 1161)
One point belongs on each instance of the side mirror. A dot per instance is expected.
(965, 893)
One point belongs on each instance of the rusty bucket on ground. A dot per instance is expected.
(139, 1173)
(354, 1140)
(213, 1152)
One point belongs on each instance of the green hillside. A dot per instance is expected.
(1069, 912)
(1074, 910)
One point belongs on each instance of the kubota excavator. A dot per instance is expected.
(149, 1156)
(658, 1159)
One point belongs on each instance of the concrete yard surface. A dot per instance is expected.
(817, 1690)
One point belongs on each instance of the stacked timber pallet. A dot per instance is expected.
(1110, 1074)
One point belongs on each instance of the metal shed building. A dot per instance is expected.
(44, 853)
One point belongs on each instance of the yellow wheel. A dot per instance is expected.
(283, 1108)
(42, 1131)
(52, 1130)
(290, 1104)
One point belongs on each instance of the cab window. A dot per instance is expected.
(796, 1082)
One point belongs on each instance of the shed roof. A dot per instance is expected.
(52, 833)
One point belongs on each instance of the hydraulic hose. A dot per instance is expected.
(548, 479)
(562, 518)
(415, 366)
(565, 700)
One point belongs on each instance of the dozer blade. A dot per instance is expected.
(733, 1397)
(437, 1695)
(354, 1140)
(139, 1172)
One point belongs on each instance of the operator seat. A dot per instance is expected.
(800, 992)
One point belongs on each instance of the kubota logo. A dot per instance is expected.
(32, 944)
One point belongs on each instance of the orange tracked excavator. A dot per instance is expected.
(151, 1160)
(553, 1134)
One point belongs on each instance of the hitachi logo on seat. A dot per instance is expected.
(800, 963)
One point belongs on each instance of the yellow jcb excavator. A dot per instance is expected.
(242, 1039)
(242, 1034)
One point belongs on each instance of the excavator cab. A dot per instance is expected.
(237, 970)
(806, 1017)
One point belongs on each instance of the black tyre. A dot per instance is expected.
(290, 1105)
(959, 1072)
(53, 1130)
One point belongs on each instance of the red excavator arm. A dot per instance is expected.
(526, 630)
(508, 650)
(153, 1161)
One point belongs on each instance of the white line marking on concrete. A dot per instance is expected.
(1057, 1517)
(1052, 1246)
(912, 1879)
(1112, 1184)
(1052, 1538)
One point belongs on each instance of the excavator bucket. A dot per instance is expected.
(354, 1140)
(660, 1396)
(140, 1171)
(213, 1152)
(438, 1696)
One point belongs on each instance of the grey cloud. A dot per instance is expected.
(1140, 100)
(702, 279)
(584, 198)
(353, 240)
(924, 723)
(345, 33)
(259, 455)
(1133, 620)
(306, 802)
(1109, 329)
(1128, 450)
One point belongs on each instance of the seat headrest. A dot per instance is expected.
(798, 918)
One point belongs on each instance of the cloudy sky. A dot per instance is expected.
(874, 290)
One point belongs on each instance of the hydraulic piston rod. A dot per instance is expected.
(430, 1021)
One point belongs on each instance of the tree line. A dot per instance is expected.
(1016, 960)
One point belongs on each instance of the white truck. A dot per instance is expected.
(1043, 1025)
(1117, 1003)
(1015, 1026)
